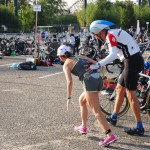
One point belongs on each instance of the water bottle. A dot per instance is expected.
(137, 93)
(143, 92)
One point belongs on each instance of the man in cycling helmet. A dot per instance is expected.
(122, 45)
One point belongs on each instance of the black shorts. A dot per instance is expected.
(132, 67)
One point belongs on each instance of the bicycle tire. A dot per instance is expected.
(107, 105)
(27, 49)
(88, 51)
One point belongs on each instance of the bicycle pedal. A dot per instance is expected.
(144, 112)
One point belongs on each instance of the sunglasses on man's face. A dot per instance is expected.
(98, 36)
(94, 34)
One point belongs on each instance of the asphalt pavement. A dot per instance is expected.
(33, 113)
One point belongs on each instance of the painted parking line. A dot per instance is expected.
(39, 77)
(5, 65)
(50, 75)
(9, 64)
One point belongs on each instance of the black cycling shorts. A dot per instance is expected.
(132, 67)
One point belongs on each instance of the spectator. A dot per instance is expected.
(72, 43)
(4, 28)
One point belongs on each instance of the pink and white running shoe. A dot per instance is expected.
(107, 140)
(81, 129)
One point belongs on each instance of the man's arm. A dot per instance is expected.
(112, 56)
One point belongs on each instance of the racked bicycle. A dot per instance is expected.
(108, 94)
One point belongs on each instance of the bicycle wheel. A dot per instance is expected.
(27, 49)
(107, 101)
(88, 51)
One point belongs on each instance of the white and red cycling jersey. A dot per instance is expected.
(120, 44)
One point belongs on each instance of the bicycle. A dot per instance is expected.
(143, 41)
(18, 45)
(108, 94)
(91, 51)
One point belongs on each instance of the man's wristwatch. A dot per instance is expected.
(99, 65)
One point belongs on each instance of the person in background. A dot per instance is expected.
(77, 44)
(122, 45)
(72, 42)
(43, 34)
(4, 28)
(38, 37)
(92, 84)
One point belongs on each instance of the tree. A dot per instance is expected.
(90, 13)
(26, 18)
(145, 15)
(8, 18)
(50, 9)
(144, 2)
(125, 13)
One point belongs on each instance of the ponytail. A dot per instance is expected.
(68, 54)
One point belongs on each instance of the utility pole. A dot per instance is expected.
(149, 3)
(6, 1)
(15, 7)
(36, 8)
(36, 17)
(147, 23)
(85, 5)
(139, 3)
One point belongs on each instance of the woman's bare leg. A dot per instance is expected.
(83, 109)
(93, 101)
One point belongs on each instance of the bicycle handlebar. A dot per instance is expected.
(116, 62)
(110, 64)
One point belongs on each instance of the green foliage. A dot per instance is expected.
(127, 17)
(103, 4)
(123, 13)
(144, 2)
(145, 15)
(90, 13)
(8, 18)
(2, 2)
(80, 17)
(26, 18)
(65, 19)
(103, 9)
(50, 9)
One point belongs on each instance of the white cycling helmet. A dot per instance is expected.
(99, 25)
(62, 49)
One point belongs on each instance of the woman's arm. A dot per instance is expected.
(68, 76)
(89, 59)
